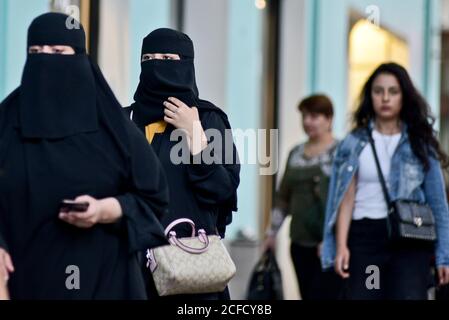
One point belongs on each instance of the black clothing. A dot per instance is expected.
(37, 172)
(164, 40)
(161, 79)
(52, 81)
(42, 31)
(206, 193)
(313, 282)
(403, 271)
(201, 191)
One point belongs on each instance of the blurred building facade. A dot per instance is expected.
(256, 59)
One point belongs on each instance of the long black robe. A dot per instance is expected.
(36, 174)
(203, 192)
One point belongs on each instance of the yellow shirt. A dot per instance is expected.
(153, 128)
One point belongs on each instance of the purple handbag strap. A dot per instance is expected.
(179, 221)
(202, 236)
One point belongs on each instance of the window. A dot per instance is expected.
(370, 46)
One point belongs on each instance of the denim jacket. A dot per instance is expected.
(408, 181)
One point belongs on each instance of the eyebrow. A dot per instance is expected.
(389, 87)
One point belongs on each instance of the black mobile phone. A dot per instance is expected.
(72, 206)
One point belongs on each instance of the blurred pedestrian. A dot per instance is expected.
(357, 238)
(302, 195)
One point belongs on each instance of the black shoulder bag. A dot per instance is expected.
(407, 221)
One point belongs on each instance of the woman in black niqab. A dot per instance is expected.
(167, 99)
(63, 135)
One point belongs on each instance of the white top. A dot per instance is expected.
(369, 199)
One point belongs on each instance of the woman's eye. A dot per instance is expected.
(377, 91)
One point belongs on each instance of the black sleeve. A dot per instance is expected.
(128, 111)
(3, 243)
(146, 199)
(4, 105)
(215, 182)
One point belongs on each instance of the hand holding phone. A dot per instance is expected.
(73, 206)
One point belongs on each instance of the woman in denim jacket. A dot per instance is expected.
(356, 238)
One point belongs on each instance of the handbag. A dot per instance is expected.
(190, 265)
(407, 221)
(266, 279)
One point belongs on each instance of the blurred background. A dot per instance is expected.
(256, 59)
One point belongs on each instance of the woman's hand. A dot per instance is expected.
(443, 275)
(178, 114)
(4, 295)
(99, 212)
(342, 226)
(6, 267)
(342, 262)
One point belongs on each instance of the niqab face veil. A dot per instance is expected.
(58, 92)
(161, 79)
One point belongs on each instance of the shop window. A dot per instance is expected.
(370, 46)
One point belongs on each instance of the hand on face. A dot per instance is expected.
(178, 114)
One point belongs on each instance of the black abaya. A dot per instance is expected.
(204, 192)
(111, 159)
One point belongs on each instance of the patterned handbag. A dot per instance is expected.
(407, 221)
(190, 265)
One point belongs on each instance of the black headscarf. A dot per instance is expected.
(161, 79)
(58, 95)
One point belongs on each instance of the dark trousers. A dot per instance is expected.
(380, 271)
(442, 293)
(314, 284)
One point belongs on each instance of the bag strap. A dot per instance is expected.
(179, 221)
(379, 171)
(202, 236)
(387, 198)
